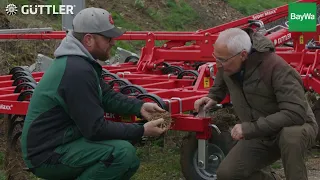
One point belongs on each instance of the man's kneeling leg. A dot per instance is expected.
(294, 143)
(82, 159)
(122, 164)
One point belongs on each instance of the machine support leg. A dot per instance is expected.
(202, 153)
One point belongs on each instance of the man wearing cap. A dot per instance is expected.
(65, 135)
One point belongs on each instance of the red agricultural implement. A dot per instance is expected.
(174, 75)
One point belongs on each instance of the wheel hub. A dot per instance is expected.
(216, 155)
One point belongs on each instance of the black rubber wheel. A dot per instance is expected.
(17, 74)
(14, 141)
(104, 71)
(15, 130)
(156, 99)
(193, 73)
(133, 59)
(23, 79)
(10, 127)
(218, 147)
(120, 82)
(196, 65)
(133, 90)
(24, 86)
(25, 95)
(15, 69)
(175, 70)
(165, 64)
(188, 73)
(109, 75)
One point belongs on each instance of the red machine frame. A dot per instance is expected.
(180, 93)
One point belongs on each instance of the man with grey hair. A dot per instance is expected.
(268, 97)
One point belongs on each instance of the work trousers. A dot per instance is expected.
(83, 160)
(247, 159)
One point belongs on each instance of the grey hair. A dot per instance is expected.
(235, 39)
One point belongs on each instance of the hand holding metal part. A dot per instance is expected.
(203, 113)
(203, 143)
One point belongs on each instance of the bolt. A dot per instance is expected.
(149, 33)
(165, 45)
(213, 157)
(154, 65)
(206, 41)
(310, 75)
(149, 40)
(310, 87)
(200, 164)
(206, 34)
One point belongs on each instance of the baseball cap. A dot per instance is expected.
(95, 20)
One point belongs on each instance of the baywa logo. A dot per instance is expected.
(302, 17)
(12, 9)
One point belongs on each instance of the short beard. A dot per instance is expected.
(99, 56)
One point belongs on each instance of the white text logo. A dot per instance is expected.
(5, 107)
(267, 13)
(302, 17)
(11, 9)
(282, 39)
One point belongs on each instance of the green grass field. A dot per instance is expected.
(249, 7)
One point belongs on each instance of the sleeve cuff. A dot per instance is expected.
(137, 108)
(250, 130)
(213, 97)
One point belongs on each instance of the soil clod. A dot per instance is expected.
(167, 119)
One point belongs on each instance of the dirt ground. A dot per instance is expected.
(312, 163)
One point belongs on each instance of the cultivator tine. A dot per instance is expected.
(15, 124)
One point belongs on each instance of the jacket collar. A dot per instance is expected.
(261, 46)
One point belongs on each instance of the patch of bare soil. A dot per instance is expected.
(167, 119)
(214, 12)
(225, 118)
(312, 163)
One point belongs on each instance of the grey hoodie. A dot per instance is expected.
(71, 46)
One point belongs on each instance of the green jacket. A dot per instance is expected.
(69, 102)
(267, 95)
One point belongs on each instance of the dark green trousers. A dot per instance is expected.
(84, 160)
(248, 159)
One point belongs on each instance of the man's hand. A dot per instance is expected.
(236, 132)
(148, 109)
(206, 101)
(151, 128)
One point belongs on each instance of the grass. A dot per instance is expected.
(22, 2)
(156, 163)
(176, 17)
(125, 25)
(277, 165)
(249, 7)
(2, 174)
